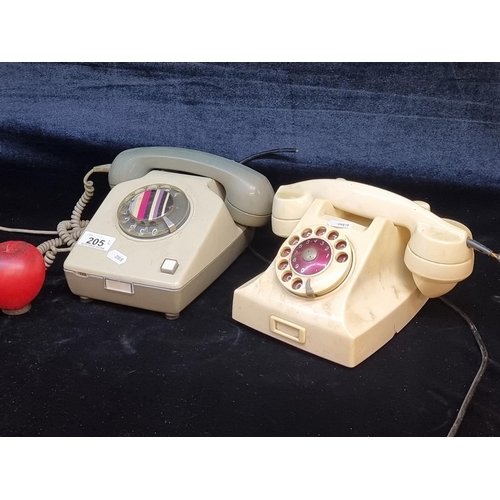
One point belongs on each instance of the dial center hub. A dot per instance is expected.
(311, 256)
(153, 211)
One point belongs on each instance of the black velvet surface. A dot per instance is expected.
(426, 131)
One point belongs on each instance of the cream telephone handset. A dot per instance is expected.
(357, 264)
(173, 221)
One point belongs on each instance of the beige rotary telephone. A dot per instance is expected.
(357, 264)
(173, 221)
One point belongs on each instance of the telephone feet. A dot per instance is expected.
(172, 316)
(17, 312)
(85, 300)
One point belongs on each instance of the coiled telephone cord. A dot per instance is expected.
(68, 231)
(68, 237)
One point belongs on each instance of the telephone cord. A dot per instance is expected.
(67, 236)
(68, 231)
(86, 196)
(26, 231)
(476, 245)
(482, 368)
(270, 152)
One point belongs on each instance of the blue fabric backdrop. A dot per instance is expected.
(427, 121)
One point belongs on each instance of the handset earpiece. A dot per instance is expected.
(249, 194)
(438, 257)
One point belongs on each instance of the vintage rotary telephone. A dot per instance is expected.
(173, 221)
(357, 264)
(161, 237)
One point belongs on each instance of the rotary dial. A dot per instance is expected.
(314, 261)
(153, 211)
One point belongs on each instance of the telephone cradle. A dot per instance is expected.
(163, 235)
(357, 265)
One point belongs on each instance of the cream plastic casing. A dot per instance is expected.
(163, 274)
(378, 295)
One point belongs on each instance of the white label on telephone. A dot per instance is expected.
(117, 257)
(340, 224)
(98, 241)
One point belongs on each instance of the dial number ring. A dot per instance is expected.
(314, 261)
(153, 211)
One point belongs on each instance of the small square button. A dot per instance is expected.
(169, 266)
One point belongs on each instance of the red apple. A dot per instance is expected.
(22, 273)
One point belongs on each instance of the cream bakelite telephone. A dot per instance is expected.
(161, 237)
(357, 264)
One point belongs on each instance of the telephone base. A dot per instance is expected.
(333, 337)
(165, 273)
(160, 297)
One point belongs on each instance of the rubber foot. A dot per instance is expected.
(172, 316)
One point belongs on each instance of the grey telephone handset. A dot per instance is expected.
(357, 264)
(173, 221)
